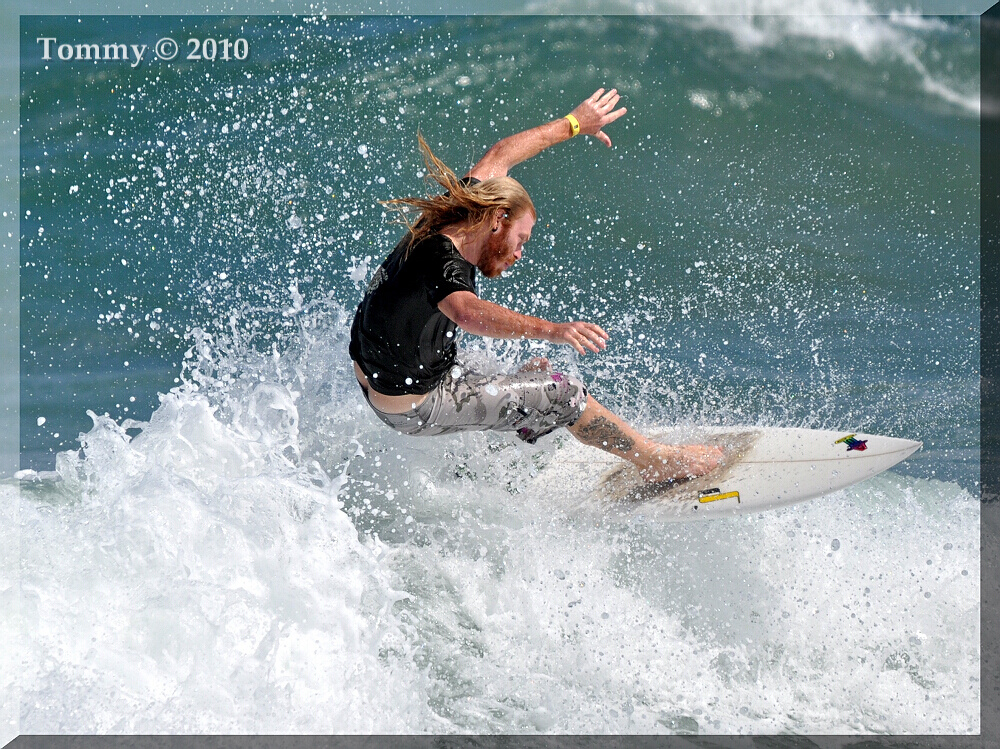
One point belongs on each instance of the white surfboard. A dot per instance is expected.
(763, 468)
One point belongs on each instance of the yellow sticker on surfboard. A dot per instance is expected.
(714, 495)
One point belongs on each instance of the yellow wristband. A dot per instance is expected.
(574, 123)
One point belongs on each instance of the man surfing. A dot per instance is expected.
(403, 340)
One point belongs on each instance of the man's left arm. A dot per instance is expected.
(592, 115)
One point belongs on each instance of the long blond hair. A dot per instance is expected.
(472, 204)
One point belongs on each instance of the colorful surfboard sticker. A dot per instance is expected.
(852, 443)
(714, 495)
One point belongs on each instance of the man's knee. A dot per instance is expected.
(570, 395)
(538, 364)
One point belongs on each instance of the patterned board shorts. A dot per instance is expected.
(531, 404)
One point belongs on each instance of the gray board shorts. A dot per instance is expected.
(531, 404)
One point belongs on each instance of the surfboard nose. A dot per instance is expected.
(884, 452)
(901, 449)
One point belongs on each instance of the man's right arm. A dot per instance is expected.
(480, 317)
(592, 114)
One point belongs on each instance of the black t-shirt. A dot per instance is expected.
(400, 339)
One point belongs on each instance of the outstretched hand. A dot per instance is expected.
(598, 111)
(581, 336)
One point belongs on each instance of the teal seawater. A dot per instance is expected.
(785, 232)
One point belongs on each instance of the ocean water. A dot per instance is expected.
(217, 536)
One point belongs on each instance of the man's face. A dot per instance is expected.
(505, 246)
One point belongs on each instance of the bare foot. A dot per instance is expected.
(681, 462)
(538, 364)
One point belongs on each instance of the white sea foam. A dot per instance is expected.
(189, 580)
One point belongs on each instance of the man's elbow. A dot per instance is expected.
(462, 318)
(463, 312)
(470, 320)
(494, 163)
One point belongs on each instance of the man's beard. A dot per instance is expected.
(492, 262)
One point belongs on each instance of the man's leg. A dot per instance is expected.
(600, 428)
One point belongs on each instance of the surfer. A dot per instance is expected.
(403, 340)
